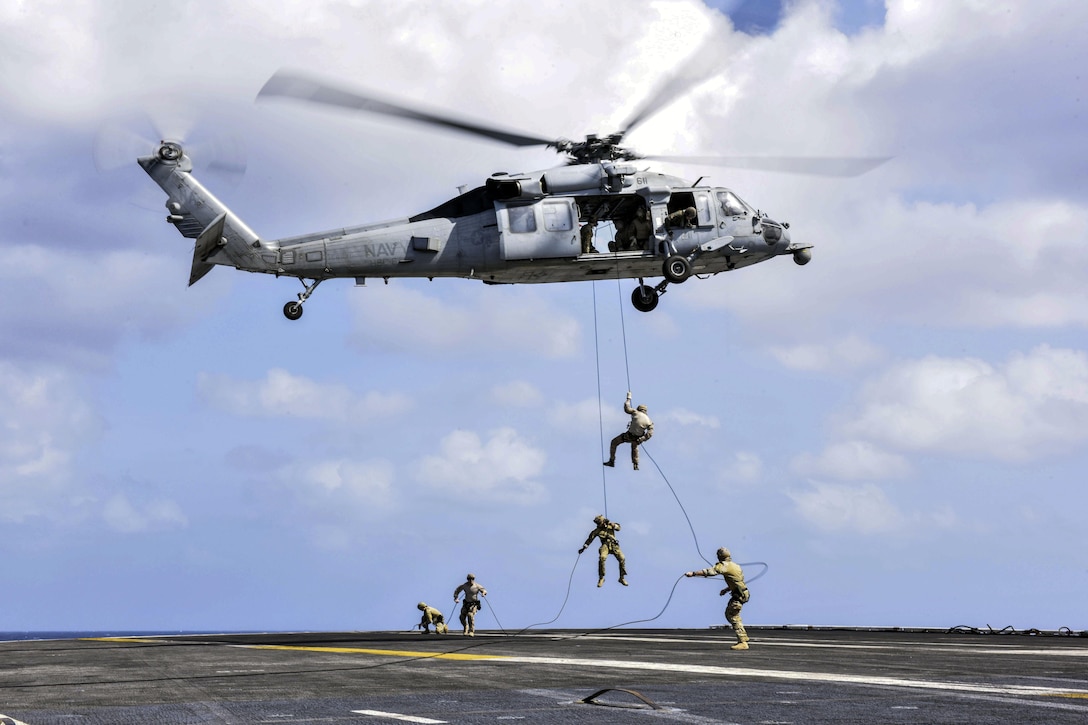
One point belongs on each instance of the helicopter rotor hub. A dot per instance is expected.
(169, 151)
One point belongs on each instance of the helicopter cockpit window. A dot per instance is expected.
(557, 217)
(522, 219)
(730, 204)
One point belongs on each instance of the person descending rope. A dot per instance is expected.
(735, 587)
(639, 431)
(606, 531)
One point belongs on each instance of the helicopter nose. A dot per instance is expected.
(774, 232)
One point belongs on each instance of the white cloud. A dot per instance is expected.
(853, 461)
(85, 303)
(342, 486)
(122, 515)
(743, 468)
(399, 317)
(44, 422)
(501, 469)
(839, 507)
(518, 393)
(586, 416)
(843, 355)
(685, 417)
(283, 394)
(1032, 405)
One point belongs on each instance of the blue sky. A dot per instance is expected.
(898, 429)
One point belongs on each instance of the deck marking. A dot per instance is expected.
(388, 652)
(790, 675)
(397, 716)
(1018, 690)
(935, 646)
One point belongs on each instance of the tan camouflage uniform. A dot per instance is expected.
(640, 430)
(432, 616)
(737, 589)
(606, 532)
(472, 592)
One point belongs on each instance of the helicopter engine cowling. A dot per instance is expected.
(573, 178)
(505, 187)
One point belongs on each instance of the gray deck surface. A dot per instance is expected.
(788, 676)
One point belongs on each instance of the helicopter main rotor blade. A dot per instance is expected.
(290, 85)
(696, 69)
(842, 167)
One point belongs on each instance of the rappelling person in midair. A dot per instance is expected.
(639, 431)
(735, 588)
(606, 532)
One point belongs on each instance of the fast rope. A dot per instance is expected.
(600, 405)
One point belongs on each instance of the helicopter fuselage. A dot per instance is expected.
(521, 228)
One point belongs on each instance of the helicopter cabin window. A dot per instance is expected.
(702, 204)
(684, 199)
(522, 219)
(730, 204)
(557, 217)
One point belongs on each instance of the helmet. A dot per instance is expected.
(598, 518)
(643, 408)
(723, 554)
(421, 605)
(690, 211)
(470, 576)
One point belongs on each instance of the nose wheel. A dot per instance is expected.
(293, 310)
(645, 298)
(677, 269)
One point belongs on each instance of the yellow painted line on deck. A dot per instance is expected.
(380, 652)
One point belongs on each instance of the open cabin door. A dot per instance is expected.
(543, 229)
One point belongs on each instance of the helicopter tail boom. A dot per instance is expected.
(221, 237)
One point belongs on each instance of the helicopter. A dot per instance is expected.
(515, 228)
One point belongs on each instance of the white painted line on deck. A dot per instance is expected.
(397, 716)
(963, 648)
(841, 679)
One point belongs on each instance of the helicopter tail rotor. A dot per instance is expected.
(213, 152)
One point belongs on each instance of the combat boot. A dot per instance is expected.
(623, 581)
(610, 464)
(740, 645)
(600, 582)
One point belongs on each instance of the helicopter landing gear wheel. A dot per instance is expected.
(677, 269)
(644, 298)
(292, 310)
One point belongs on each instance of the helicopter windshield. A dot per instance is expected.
(731, 205)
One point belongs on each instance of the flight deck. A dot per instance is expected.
(790, 675)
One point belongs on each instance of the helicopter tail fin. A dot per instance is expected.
(221, 237)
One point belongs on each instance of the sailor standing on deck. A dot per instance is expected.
(737, 589)
(472, 592)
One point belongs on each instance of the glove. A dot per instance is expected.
(581, 550)
(723, 592)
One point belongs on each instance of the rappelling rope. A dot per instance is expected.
(600, 404)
